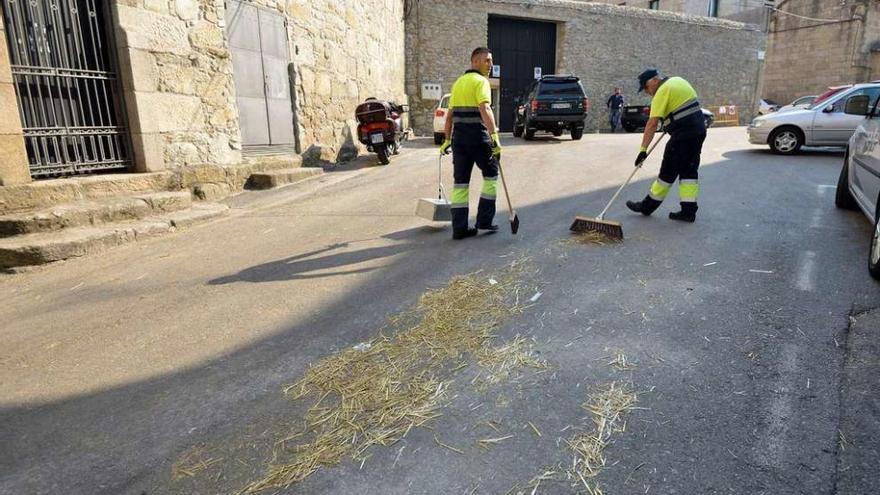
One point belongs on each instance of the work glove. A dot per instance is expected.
(496, 145)
(641, 158)
(444, 148)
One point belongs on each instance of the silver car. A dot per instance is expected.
(859, 185)
(824, 123)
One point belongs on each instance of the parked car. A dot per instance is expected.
(824, 123)
(767, 106)
(858, 187)
(802, 102)
(440, 119)
(553, 104)
(635, 117)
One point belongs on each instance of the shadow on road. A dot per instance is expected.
(302, 266)
(806, 153)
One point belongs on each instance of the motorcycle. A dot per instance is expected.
(380, 127)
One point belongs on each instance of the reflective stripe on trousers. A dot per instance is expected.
(490, 188)
(688, 190)
(659, 190)
(460, 196)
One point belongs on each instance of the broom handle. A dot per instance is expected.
(504, 185)
(636, 169)
(441, 193)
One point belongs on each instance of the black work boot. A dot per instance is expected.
(492, 228)
(645, 206)
(688, 213)
(463, 234)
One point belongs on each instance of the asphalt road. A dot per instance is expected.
(116, 367)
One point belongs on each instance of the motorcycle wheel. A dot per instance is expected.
(382, 151)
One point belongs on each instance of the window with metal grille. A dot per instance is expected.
(62, 62)
(654, 5)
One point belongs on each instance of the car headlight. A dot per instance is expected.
(757, 123)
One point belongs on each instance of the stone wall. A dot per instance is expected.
(177, 74)
(805, 57)
(605, 45)
(13, 159)
(344, 51)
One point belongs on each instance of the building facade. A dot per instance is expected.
(749, 11)
(150, 85)
(606, 46)
(813, 45)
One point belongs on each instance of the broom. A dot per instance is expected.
(612, 229)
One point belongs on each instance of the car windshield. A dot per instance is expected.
(804, 100)
(824, 96)
(444, 103)
(560, 88)
(770, 102)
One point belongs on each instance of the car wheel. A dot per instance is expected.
(577, 134)
(629, 128)
(874, 250)
(557, 132)
(786, 141)
(517, 131)
(843, 198)
(439, 137)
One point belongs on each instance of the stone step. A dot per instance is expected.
(46, 193)
(276, 178)
(93, 213)
(46, 247)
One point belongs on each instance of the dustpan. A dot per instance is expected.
(436, 209)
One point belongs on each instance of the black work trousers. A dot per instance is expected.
(681, 160)
(464, 156)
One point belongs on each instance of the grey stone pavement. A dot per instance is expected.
(753, 343)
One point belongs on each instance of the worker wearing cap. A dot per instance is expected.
(473, 137)
(675, 103)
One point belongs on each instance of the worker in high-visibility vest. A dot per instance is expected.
(675, 103)
(473, 137)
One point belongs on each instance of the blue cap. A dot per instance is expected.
(646, 76)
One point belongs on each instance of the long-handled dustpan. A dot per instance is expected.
(439, 209)
(610, 228)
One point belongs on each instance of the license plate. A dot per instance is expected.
(377, 138)
(560, 105)
(632, 110)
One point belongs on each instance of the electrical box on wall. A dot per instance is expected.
(431, 91)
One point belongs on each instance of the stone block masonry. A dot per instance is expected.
(604, 45)
(180, 92)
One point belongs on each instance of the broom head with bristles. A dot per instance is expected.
(613, 230)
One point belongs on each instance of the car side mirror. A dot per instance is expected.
(857, 105)
(828, 109)
(404, 108)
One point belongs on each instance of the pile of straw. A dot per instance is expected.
(375, 394)
(607, 406)
(589, 239)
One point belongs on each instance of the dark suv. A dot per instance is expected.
(552, 104)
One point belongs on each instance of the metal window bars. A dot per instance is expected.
(68, 95)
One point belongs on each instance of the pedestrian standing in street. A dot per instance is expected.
(615, 106)
(473, 138)
(675, 102)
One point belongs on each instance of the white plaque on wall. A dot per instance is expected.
(431, 91)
